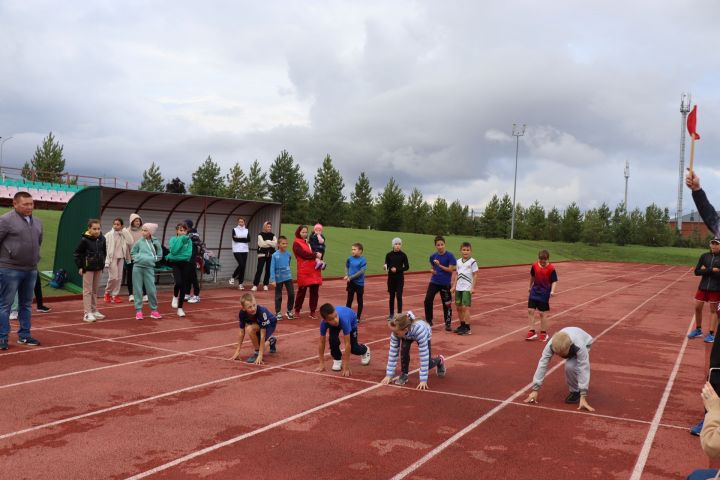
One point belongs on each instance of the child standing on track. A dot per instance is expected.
(145, 253)
(543, 280)
(259, 324)
(355, 267)
(409, 329)
(396, 264)
(708, 267)
(280, 275)
(443, 263)
(180, 259)
(464, 286)
(335, 320)
(267, 243)
(90, 259)
(318, 245)
(118, 243)
(135, 232)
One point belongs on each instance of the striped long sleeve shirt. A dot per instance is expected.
(420, 332)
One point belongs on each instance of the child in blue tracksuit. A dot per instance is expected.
(280, 275)
(355, 267)
(259, 324)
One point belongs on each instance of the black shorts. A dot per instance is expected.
(538, 305)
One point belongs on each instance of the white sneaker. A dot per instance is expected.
(241, 287)
(231, 281)
(180, 312)
(89, 317)
(98, 315)
(278, 316)
(254, 289)
(337, 365)
(187, 297)
(13, 315)
(174, 302)
(265, 287)
(366, 357)
(145, 299)
(131, 298)
(194, 299)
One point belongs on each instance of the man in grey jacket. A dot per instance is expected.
(572, 344)
(20, 239)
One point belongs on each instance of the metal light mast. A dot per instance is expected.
(518, 131)
(627, 176)
(685, 101)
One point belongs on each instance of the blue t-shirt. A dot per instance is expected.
(262, 317)
(355, 266)
(280, 267)
(347, 319)
(441, 277)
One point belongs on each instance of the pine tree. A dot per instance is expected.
(328, 200)
(152, 179)
(535, 221)
(176, 186)
(520, 222)
(289, 187)
(439, 218)
(592, 227)
(571, 227)
(457, 218)
(390, 207)
(620, 225)
(207, 180)
(361, 204)
(489, 219)
(416, 212)
(236, 184)
(553, 225)
(47, 164)
(604, 215)
(257, 185)
(504, 217)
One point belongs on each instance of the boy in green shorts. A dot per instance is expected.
(463, 286)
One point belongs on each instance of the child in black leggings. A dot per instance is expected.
(396, 264)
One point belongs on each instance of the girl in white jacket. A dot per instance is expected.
(118, 242)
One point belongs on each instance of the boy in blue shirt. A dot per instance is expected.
(355, 267)
(280, 275)
(259, 324)
(443, 264)
(335, 320)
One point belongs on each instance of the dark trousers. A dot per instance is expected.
(446, 299)
(334, 340)
(395, 289)
(241, 259)
(352, 289)
(405, 356)
(38, 292)
(128, 278)
(263, 262)
(182, 271)
(191, 281)
(288, 284)
(314, 296)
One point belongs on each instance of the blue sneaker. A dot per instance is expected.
(695, 333)
(709, 338)
(273, 344)
(252, 358)
(696, 429)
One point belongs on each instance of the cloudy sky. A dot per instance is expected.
(424, 91)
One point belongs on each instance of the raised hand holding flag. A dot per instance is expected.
(692, 129)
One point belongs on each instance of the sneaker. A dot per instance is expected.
(709, 338)
(573, 397)
(441, 368)
(531, 335)
(180, 312)
(43, 309)
(695, 333)
(13, 315)
(98, 315)
(337, 365)
(448, 327)
(466, 331)
(30, 341)
(145, 299)
(543, 337)
(313, 315)
(273, 344)
(289, 315)
(187, 297)
(324, 265)
(390, 317)
(265, 288)
(697, 428)
(117, 299)
(194, 299)
(231, 281)
(107, 298)
(89, 317)
(156, 315)
(460, 329)
(402, 379)
(3, 344)
(131, 298)
(241, 287)
(254, 289)
(278, 316)
(365, 360)
(252, 358)
(174, 302)
(139, 316)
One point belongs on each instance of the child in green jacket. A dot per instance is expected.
(146, 251)
(179, 258)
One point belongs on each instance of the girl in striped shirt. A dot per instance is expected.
(406, 326)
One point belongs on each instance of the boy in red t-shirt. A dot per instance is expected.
(543, 280)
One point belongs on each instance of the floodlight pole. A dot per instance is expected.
(627, 176)
(518, 131)
(2, 142)
(685, 101)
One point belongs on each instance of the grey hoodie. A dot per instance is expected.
(19, 242)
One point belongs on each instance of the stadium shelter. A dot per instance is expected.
(213, 217)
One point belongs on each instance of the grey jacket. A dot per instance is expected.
(19, 242)
(582, 340)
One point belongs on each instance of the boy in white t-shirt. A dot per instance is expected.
(463, 286)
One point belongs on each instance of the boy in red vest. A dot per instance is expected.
(543, 280)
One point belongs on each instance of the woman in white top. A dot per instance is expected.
(240, 248)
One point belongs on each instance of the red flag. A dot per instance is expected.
(692, 123)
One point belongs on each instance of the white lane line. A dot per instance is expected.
(647, 445)
(450, 441)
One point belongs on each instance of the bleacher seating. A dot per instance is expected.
(42, 191)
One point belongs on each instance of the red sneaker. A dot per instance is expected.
(543, 337)
(531, 335)
(107, 298)
(117, 299)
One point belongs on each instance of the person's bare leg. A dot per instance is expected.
(543, 322)
(713, 317)
(699, 304)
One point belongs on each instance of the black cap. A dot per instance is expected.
(715, 240)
